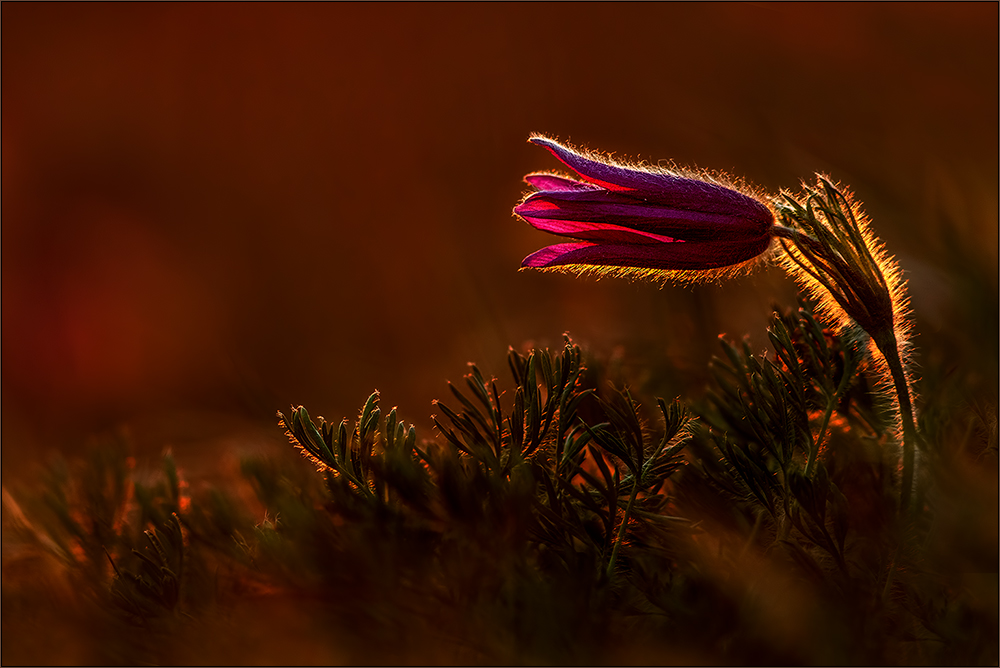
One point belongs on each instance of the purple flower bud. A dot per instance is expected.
(646, 219)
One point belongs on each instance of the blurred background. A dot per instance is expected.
(212, 212)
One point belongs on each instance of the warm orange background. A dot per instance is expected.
(214, 211)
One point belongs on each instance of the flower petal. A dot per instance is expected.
(608, 176)
(681, 255)
(549, 256)
(605, 207)
(551, 182)
(604, 232)
(668, 188)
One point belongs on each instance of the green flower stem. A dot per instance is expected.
(886, 343)
(825, 423)
(621, 529)
(838, 274)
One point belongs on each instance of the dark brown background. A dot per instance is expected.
(214, 211)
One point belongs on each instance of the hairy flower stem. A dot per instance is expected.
(850, 275)
(622, 527)
(886, 343)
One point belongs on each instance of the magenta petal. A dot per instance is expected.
(692, 255)
(549, 256)
(667, 188)
(553, 182)
(607, 176)
(602, 206)
(604, 232)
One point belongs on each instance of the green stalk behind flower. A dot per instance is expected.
(831, 252)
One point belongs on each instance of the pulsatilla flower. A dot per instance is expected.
(642, 221)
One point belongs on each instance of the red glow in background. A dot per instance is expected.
(211, 212)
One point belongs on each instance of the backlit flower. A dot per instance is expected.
(642, 220)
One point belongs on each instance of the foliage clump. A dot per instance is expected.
(558, 521)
